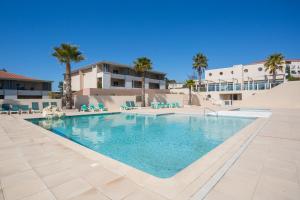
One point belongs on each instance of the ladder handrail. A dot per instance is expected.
(206, 108)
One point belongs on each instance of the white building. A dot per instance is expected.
(14, 86)
(238, 81)
(108, 75)
(175, 85)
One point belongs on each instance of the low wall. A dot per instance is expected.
(119, 92)
(165, 98)
(111, 102)
(29, 102)
(114, 102)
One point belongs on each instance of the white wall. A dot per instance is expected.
(286, 95)
(239, 73)
(90, 78)
(75, 81)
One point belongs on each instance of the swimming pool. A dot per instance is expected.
(159, 145)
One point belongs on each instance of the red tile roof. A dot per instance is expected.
(11, 76)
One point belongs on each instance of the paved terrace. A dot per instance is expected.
(34, 166)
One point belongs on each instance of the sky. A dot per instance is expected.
(169, 32)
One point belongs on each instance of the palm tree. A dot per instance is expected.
(199, 64)
(273, 63)
(142, 65)
(65, 54)
(190, 83)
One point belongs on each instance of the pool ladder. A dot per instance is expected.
(211, 110)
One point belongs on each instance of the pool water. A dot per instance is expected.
(159, 145)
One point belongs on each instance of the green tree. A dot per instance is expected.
(199, 64)
(142, 65)
(274, 63)
(190, 84)
(66, 54)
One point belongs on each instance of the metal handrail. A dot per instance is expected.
(206, 108)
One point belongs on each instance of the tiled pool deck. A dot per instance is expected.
(37, 164)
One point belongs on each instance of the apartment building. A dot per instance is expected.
(109, 75)
(238, 81)
(14, 86)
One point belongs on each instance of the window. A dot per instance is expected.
(260, 69)
(115, 71)
(232, 72)
(105, 67)
(115, 83)
(245, 70)
(221, 73)
(293, 72)
(298, 71)
(210, 74)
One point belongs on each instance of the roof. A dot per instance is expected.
(111, 63)
(289, 60)
(11, 76)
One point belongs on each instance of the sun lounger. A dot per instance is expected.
(45, 104)
(93, 108)
(154, 105)
(102, 107)
(24, 108)
(15, 109)
(132, 105)
(124, 107)
(84, 108)
(35, 107)
(4, 109)
(177, 105)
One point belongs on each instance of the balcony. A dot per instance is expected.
(7, 92)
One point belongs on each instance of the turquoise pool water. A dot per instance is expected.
(159, 145)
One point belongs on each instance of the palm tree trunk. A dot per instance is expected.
(274, 77)
(68, 89)
(190, 95)
(199, 79)
(143, 90)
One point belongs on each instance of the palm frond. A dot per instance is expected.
(200, 62)
(142, 64)
(67, 53)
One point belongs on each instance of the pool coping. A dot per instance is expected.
(185, 183)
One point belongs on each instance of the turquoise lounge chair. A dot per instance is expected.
(15, 109)
(45, 104)
(177, 105)
(101, 107)
(154, 105)
(4, 108)
(24, 108)
(35, 107)
(132, 105)
(168, 105)
(93, 108)
(84, 108)
(161, 105)
(125, 107)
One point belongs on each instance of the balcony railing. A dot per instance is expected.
(213, 87)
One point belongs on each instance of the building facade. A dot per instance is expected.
(14, 86)
(175, 85)
(108, 75)
(232, 83)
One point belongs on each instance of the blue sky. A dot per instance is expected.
(168, 32)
